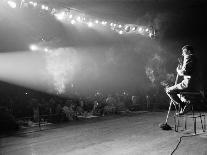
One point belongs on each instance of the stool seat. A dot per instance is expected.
(195, 116)
(194, 97)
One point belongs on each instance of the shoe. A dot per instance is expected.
(176, 106)
(187, 107)
(181, 113)
(184, 110)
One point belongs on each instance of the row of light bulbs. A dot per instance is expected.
(74, 16)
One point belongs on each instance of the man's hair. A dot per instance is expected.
(188, 48)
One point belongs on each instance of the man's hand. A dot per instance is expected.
(167, 89)
(178, 69)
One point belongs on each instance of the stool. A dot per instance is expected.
(194, 98)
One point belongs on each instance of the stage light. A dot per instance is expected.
(42, 7)
(70, 16)
(140, 29)
(53, 12)
(67, 16)
(90, 24)
(60, 16)
(151, 35)
(12, 4)
(34, 4)
(121, 32)
(104, 23)
(46, 49)
(73, 21)
(127, 28)
(33, 47)
(46, 8)
(78, 18)
(133, 29)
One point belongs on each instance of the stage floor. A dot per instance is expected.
(134, 134)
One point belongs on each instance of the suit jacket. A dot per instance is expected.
(189, 65)
(188, 71)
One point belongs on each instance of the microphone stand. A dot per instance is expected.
(165, 126)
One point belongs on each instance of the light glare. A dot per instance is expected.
(60, 16)
(90, 24)
(140, 29)
(33, 47)
(12, 4)
(121, 32)
(72, 22)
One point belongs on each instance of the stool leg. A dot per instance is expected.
(176, 130)
(185, 120)
(178, 122)
(195, 126)
(204, 122)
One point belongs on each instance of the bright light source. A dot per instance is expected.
(60, 16)
(96, 21)
(104, 23)
(73, 21)
(42, 7)
(46, 49)
(120, 26)
(140, 29)
(46, 8)
(53, 11)
(111, 24)
(33, 47)
(31, 2)
(127, 27)
(90, 24)
(78, 18)
(147, 30)
(70, 16)
(133, 29)
(121, 32)
(12, 4)
(34, 4)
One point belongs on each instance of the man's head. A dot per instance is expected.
(187, 50)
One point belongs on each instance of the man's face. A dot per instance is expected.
(184, 52)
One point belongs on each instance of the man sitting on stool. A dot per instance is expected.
(186, 70)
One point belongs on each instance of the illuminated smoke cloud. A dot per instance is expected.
(150, 74)
(60, 64)
(155, 70)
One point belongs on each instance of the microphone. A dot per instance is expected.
(180, 62)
